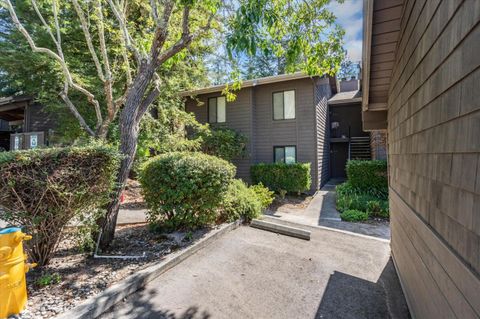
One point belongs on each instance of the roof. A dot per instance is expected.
(14, 99)
(249, 83)
(346, 97)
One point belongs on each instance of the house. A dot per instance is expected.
(421, 78)
(289, 118)
(24, 123)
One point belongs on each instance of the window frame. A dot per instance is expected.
(294, 105)
(284, 154)
(216, 109)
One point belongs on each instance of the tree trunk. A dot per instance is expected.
(128, 148)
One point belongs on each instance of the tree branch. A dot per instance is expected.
(73, 109)
(125, 34)
(88, 38)
(57, 57)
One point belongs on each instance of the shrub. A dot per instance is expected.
(264, 195)
(369, 176)
(378, 208)
(224, 143)
(44, 189)
(240, 201)
(353, 215)
(283, 177)
(183, 190)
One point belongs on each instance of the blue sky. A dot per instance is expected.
(349, 16)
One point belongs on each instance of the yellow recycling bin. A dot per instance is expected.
(13, 288)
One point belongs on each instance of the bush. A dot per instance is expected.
(352, 198)
(353, 215)
(44, 189)
(224, 143)
(264, 195)
(184, 190)
(283, 177)
(240, 201)
(369, 176)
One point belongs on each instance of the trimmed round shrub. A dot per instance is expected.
(184, 189)
(281, 177)
(42, 190)
(240, 201)
(353, 215)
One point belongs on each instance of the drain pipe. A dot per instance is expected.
(95, 255)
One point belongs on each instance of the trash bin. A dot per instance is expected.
(13, 287)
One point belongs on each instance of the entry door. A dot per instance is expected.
(338, 159)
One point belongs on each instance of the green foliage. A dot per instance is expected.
(44, 189)
(303, 32)
(282, 177)
(265, 195)
(48, 279)
(183, 190)
(225, 143)
(240, 201)
(353, 198)
(353, 215)
(369, 176)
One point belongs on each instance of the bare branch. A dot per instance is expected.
(106, 62)
(73, 109)
(153, 4)
(88, 38)
(119, 15)
(91, 98)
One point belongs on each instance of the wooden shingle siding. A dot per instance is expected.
(322, 131)
(434, 157)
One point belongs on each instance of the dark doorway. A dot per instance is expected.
(338, 156)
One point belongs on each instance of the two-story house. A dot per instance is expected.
(287, 118)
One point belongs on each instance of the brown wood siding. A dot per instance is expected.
(299, 132)
(238, 117)
(434, 157)
(252, 114)
(38, 119)
(385, 32)
(322, 130)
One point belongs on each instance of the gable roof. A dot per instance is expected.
(249, 83)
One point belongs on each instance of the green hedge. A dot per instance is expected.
(368, 176)
(184, 190)
(240, 201)
(42, 190)
(283, 177)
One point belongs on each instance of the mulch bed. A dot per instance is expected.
(76, 276)
(291, 202)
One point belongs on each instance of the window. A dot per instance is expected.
(284, 105)
(285, 154)
(217, 109)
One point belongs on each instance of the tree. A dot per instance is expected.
(130, 49)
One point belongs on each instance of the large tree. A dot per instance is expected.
(133, 44)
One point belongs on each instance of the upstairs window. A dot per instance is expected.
(284, 105)
(217, 109)
(285, 154)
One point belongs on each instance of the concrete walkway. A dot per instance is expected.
(250, 273)
(322, 211)
(132, 216)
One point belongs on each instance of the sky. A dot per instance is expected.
(349, 16)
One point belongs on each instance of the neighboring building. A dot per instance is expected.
(421, 79)
(288, 118)
(24, 123)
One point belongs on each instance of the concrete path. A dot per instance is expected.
(131, 216)
(250, 273)
(322, 212)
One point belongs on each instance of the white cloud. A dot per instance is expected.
(349, 16)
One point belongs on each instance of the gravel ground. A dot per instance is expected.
(76, 276)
